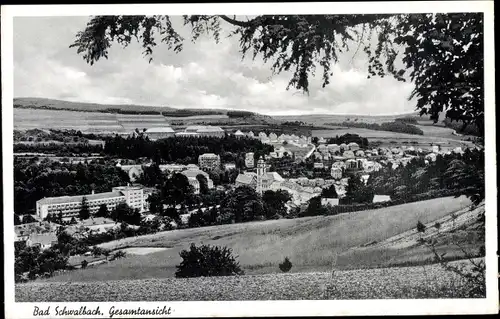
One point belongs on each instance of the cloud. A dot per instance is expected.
(204, 75)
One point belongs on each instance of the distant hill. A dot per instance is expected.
(94, 117)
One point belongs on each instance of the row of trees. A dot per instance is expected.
(59, 149)
(181, 149)
(399, 126)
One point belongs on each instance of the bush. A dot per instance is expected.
(286, 265)
(207, 261)
(84, 264)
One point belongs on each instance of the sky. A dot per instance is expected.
(203, 75)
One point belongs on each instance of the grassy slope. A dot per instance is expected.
(311, 243)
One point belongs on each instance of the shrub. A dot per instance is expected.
(207, 261)
(119, 254)
(286, 265)
(84, 264)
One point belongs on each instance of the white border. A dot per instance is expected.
(264, 308)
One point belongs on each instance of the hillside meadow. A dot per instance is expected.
(311, 243)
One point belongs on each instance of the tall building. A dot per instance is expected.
(70, 206)
(209, 161)
(249, 160)
(261, 171)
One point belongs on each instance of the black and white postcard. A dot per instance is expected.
(281, 159)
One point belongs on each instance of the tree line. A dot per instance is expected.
(399, 126)
(181, 149)
(34, 181)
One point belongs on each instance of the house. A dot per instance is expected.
(229, 166)
(44, 241)
(381, 198)
(239, 134)
(318, 165)
(329, 201)
(353, 146)
(348, 154)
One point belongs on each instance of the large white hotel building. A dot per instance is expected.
(70, 206)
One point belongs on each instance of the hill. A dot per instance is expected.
(44, 113)
(311, 243)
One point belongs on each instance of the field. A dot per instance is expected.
(403, 283)
(432, 135)
(320, 119)
(311, 243)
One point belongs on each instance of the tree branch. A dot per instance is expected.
(236, 22)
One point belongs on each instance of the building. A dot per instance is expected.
(329, 201)
(44, 241)
(92, 225)
(260, 181)
(381, 198)
(209, 161)
(133, 171)
(348, 154)
(23, 231)
(336, 172)
(333, 148)
(249, 160)
(156, 133)
(229, 166)
(239, 134)
(192, 176)
(435, 148)
(353, 146)
(318, 165)
(202, 130)
(70, 206)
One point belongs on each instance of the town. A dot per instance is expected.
(302, 167)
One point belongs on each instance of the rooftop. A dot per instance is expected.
(160, 130)
(44, 239)
(78, 198)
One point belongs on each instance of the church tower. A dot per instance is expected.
(261, 171)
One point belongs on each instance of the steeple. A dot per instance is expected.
(261, 171)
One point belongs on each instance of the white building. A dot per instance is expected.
(336, 172)
(318, 165)
(203, 130)
(249, 160)
(70, 206)
(381, 198)
(209, 161)
(329, 201)
(348, 154)
(239, 134)
(156, 133)
(353, 146)
(192, 174)
(333, 148)
(229, 166)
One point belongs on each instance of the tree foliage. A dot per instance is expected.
(207, 261)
